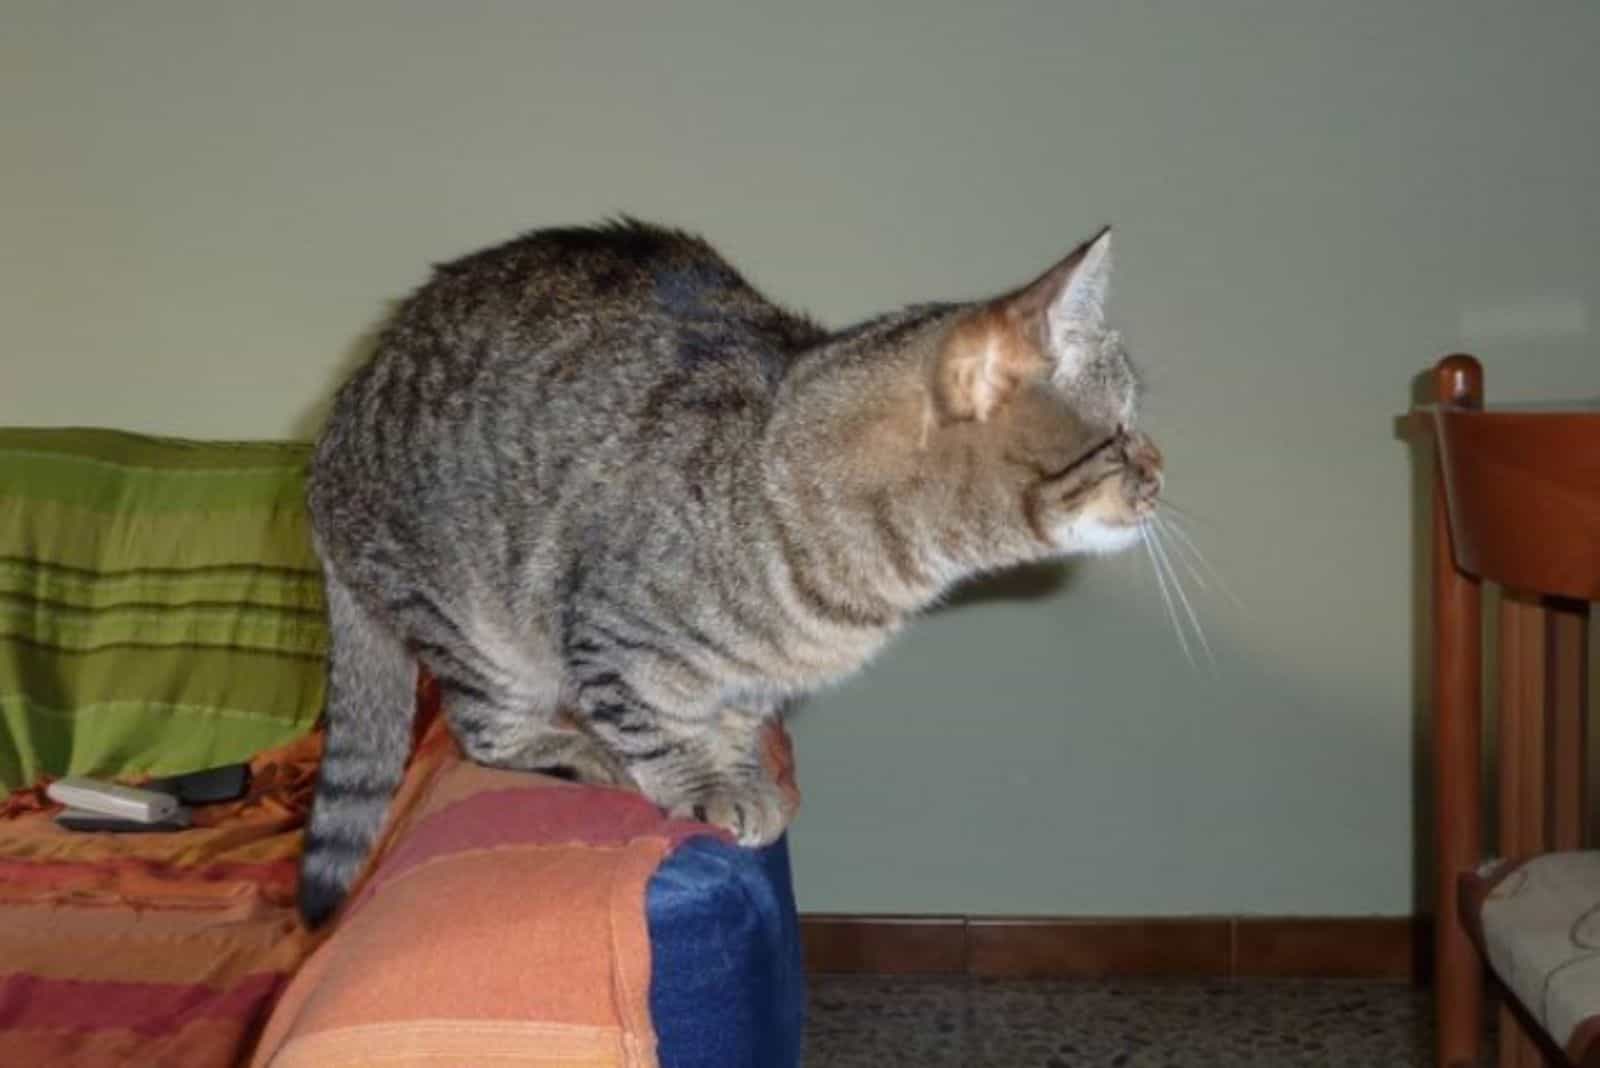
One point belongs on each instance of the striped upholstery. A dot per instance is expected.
(160, 604)
(151, 949)
(533, 892)
(508, 919)
(553, 932)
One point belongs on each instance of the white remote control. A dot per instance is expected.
(113, 799)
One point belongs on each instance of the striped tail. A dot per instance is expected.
(370, 705)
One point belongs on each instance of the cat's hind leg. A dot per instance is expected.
(534, 742)
(501, 697)
(686, 751)
(519, 728)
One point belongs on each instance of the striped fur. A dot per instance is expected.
(624, 508)
(369, 668)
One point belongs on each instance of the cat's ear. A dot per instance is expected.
(1066, 304)
(981, 363)
(1036, 331)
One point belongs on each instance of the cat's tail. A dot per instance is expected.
(371, 702)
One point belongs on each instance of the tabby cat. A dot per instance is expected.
(623, 507)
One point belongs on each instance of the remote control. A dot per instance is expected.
(208, 787)
(112, 799)
(76, 819)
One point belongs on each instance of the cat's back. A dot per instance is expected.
(625, 345)
(625, 279)
(608, 310)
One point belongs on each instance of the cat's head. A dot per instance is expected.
(1034, 400)
(950, 439)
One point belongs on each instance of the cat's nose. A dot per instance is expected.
(1143, 454)
(1144, 464)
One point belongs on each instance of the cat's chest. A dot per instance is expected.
(807, 661)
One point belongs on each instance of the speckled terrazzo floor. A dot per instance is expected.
(876, 1022)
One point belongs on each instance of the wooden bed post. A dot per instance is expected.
(1458, 744)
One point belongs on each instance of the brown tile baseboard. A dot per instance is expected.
(885, 945)
(1352, 947)
(1041, 949)
(1376, 947)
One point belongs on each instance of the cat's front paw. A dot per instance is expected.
(756, 813)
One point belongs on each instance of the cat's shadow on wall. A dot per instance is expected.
(1031, 582)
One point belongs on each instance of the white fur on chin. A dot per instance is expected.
(1090, 535)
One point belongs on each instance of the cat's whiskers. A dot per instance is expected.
(1166, 598)
(1172, 525)
(1162, 526)
(1165, 560)
(1177, 509)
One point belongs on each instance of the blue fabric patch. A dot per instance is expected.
(727, 986)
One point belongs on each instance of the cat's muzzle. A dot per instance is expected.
(1142, 475)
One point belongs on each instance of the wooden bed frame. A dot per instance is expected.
(1516, 504)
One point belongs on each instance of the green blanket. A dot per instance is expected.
(160, 603)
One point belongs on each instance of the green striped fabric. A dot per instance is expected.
(160, 603)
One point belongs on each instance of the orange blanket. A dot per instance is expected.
(151, 948)
(504, 925)
(503, 922)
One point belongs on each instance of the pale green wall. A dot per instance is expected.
(204, 207)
